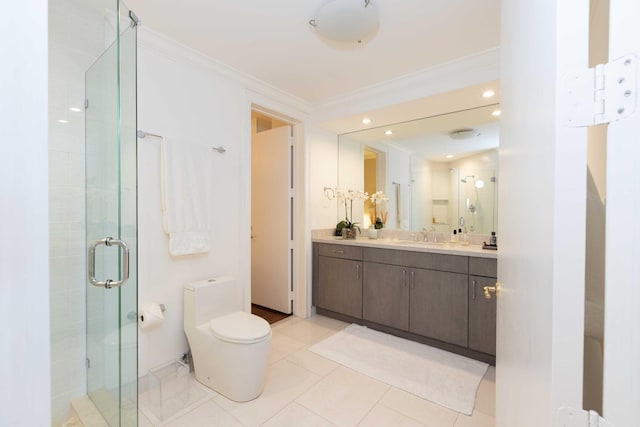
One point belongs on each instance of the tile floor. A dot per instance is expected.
(304, 389)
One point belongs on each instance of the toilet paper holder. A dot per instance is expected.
(134, 317)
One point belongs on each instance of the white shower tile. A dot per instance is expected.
(343, 397)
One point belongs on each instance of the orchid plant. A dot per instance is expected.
(347, 197)
(377, 198)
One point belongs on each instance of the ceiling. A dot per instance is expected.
(273, 42)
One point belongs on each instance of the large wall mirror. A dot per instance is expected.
(438, 173)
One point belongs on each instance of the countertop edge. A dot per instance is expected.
(471, 250)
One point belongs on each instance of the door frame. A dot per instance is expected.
(301, 238)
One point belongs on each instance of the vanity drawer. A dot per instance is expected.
(487, 267)
(340, 251)
(429, 261)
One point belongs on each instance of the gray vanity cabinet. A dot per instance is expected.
(385, 295)
(340, 279)
(439, 305)
(482, 311)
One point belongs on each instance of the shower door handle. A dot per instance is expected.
(91, 263)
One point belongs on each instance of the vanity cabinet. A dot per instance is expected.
(422, 301)
(385, 295)
(482, 311)
(428, 297)
(438, 305)
(339, 279)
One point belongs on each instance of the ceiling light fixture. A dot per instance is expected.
(63, 121)
(449, 156)
(346, 21)
(495, 113)
(488, 93)
(463, 134)
(366, 121)
(389, 132)
(75, 109)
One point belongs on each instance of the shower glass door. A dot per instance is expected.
(111, 217)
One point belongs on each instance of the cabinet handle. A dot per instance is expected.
(404, 278)
(338, 252)
(357, 271)
(473, 289)
(413, 284)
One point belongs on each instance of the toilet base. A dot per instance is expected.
(239, 370)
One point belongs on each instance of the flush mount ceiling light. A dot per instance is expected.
(389, 132)
(488, 93)
(366, 121)
(345, 21)
(463, 134)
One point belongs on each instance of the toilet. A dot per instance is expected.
(230, 348)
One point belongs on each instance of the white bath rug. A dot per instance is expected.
(444, 378)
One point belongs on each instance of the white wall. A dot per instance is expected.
(323, 172)
(25, 368)
(187, 105)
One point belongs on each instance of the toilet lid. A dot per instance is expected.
(240, 327)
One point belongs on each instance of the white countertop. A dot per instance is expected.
(409, 245)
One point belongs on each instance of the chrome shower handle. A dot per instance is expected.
(91, 263)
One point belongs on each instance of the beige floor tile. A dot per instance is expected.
(313, 362)
(285, 382)
(206, 415)
(381, 416)
(327, 322)
(486, 395)
(283, 346)
(478, 419)
(419, 409)
(343, 397)
(295, 415)
(307, 331)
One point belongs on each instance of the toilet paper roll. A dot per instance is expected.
(150, 315)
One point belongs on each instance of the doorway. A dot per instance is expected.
(271, 216)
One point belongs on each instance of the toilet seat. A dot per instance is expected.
(240, 327)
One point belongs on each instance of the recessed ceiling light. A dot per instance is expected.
(488, 93)
(75, 109)
(63, 121)
(495, 113)
(449, 156)
(366, 121)
(389, 132)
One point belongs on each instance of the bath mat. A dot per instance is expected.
(444, 378)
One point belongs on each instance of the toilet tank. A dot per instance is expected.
(212, 298)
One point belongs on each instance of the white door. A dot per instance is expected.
(542, 178)
(541, 260)
(621, 391)
(271, 225)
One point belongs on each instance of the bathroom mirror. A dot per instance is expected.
(439, 173)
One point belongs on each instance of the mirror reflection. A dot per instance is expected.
(438, 173)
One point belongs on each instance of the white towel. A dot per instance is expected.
(187, 183)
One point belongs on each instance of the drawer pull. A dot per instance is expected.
(357, 271)
(473, 289)
(404, 278)
(338, 252)
(413, 283)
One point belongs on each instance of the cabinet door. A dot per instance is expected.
(340, 285)
(482, 316)
(438, 305)
(385, 295)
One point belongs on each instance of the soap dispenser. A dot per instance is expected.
(493, 240)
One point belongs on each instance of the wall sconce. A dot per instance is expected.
(345, 21)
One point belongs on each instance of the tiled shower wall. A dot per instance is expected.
(76, 39)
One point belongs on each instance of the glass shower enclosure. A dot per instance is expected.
(111, 222)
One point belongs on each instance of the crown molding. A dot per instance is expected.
(150, 39)
(466, 71)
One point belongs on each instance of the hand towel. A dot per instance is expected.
(187, 184)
